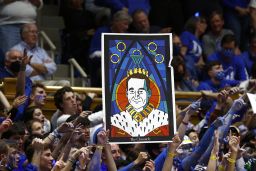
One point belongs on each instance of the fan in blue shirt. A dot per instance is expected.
(192, 47)
(227, 58)
(216, 79)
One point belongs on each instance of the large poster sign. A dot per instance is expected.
(138, 93)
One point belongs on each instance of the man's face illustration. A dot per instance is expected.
(137, 93)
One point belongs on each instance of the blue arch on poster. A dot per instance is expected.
(118, 70)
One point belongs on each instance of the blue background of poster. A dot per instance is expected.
(150, 51)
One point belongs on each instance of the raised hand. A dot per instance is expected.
(84, 156)
(75, 134)
(175, 142)
(84, 114)
(84, 150)
(234, 142)
(59, 165)
(19, 101)
(241, 152)
(222, 99)
(222, 96)
(25, 59)
(81, 116)
(102, 137)
(38, 144)
(149, 166)
(65, 127)
(142, 157)
(224, 158)
(5, 125)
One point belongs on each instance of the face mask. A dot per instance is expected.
(221, 75)
(176, 50)
(15, 66)
(228, 53)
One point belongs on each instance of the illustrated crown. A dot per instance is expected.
(137, 71)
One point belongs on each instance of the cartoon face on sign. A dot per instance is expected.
(138, 94)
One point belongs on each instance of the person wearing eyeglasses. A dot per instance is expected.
(40, 65)
(13, 14)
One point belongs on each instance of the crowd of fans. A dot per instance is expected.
(214, 53)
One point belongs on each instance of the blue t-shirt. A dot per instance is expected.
(238, 68)
(193, 44)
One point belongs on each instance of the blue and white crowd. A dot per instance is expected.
(214, 53)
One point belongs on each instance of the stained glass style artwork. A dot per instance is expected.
(138, 93)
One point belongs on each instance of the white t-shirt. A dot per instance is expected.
(18, 12)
